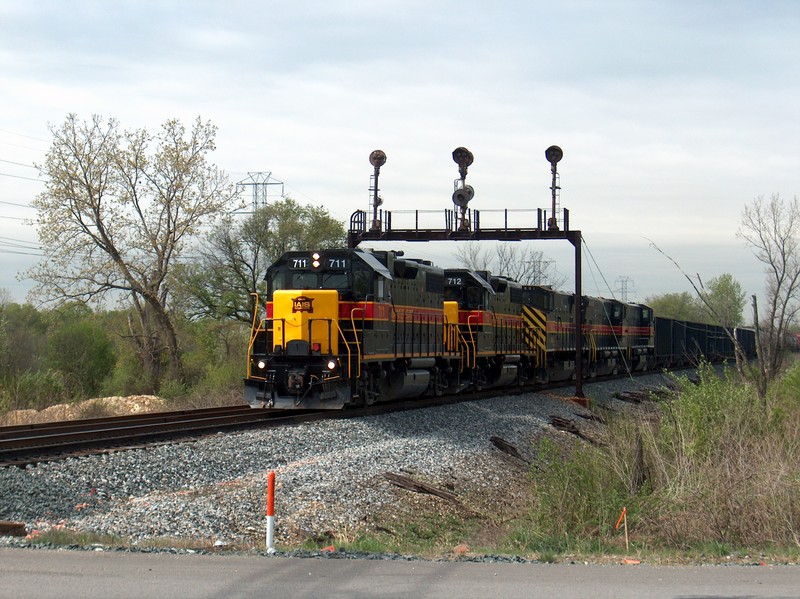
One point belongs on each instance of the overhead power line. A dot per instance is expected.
(21, 177)
(23, 135)
(18, 163)
(15, 204)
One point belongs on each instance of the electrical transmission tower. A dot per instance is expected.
(539, 270)
(623, 287)
(263, 186)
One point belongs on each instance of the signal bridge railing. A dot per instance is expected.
(440, 225)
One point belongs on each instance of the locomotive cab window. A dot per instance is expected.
(304, 280)
(336, 280)
(362, 282)
(452, 294)
(475, 298)
(279, 278)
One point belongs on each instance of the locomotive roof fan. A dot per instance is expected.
(462, 193)
(377, 159)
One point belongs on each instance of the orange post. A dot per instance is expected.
(271, 512)
(623, 519)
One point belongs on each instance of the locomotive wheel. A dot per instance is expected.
(369, 385)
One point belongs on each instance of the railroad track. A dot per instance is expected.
(31, 443)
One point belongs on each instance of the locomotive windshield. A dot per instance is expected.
(294, 279)
(469, 296)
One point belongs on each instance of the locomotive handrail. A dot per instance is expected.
(349, 353)
(255, 311)
(355, 336)
(464, 352)
(450, 337)
(592, 345)
(472, 341)
(253, 332)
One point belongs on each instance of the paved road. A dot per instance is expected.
(110, 575)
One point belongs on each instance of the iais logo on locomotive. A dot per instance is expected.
(303, 304)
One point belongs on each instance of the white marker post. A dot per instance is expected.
(271, 512)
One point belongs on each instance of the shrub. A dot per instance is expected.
(83, 352)
(33, 390)
(714, 470)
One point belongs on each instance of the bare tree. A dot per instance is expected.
(772, 228)
(520, 262)
(474, 256)
(117, 214)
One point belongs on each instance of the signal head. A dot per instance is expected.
(462, 196)
(553, 154)
(462, 157)
(377, 158)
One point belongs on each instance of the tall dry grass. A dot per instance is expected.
(714, 468)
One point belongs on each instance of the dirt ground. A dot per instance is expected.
(91, 408)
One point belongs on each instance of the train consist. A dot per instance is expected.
(350, 327)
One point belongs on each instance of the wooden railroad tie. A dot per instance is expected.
(418, 486)
(14, 529)
(508, 448)
(568, 426)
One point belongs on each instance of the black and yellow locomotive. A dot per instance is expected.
(345, 327)
(353, 327)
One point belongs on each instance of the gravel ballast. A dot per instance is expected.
(329, 473)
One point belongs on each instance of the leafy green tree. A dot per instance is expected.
(83, 352)
(680, 306)
(118, 212)
(237, 253)
(725, 300)
(24, 331)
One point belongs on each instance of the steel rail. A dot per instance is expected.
(25, 443)
(31, 443)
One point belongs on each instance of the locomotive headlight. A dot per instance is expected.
(261, 364)
(332, 364)
(315, 260)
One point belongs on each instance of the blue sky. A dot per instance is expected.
(672, 114)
